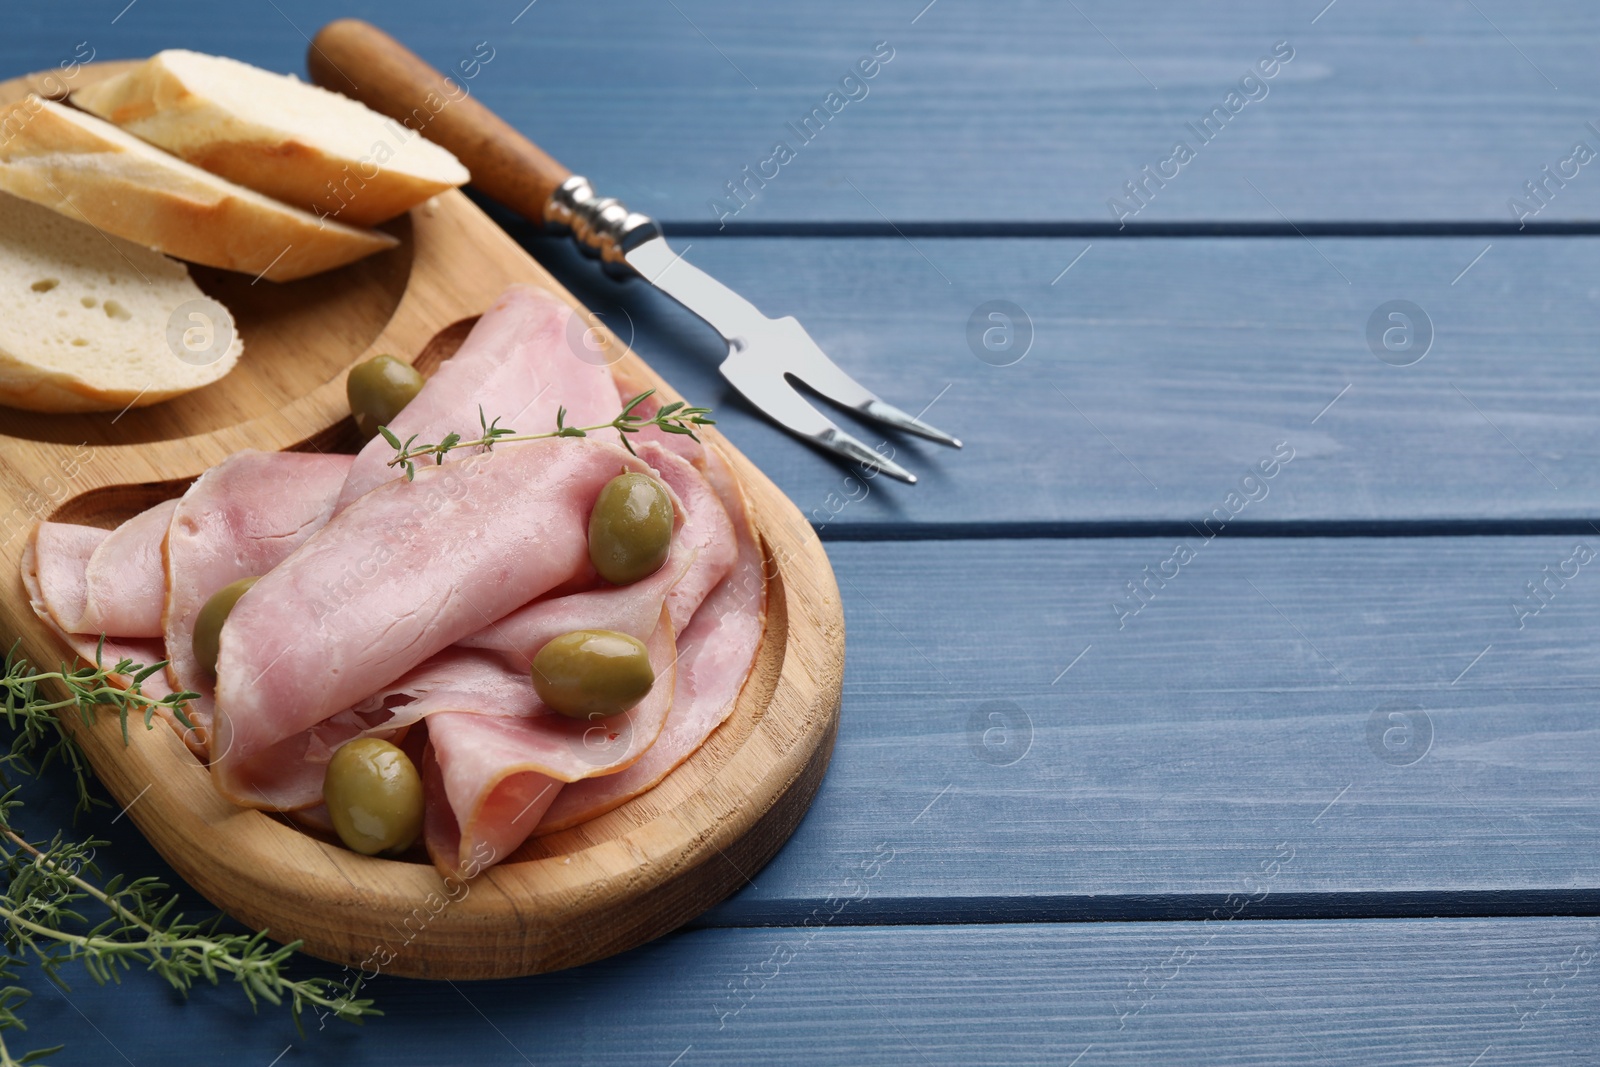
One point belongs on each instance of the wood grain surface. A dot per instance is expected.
(1031, 761)
(1240, 994)
(1161, 371)
(999, 114)
(569, 898)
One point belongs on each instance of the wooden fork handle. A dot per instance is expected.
(361, 61)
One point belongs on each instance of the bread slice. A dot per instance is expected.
(304, 145)
(91, 171)
(85, 318)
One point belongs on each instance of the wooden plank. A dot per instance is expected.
(1162, 371)
(1024, 757)
(1230, 747)
(997, 113)
(1415, 992)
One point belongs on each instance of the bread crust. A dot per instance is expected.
(30, 387)
(153, 102)
(87, 169)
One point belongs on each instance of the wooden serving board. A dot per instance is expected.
(562, 900)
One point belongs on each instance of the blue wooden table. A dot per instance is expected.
(1231, 697)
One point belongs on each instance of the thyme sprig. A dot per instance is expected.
(676, 417)
(40, 908)
(88, 688)
(49, 888)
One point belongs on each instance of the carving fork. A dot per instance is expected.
(360, 60)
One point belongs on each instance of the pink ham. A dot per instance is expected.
(288, 775)
(703, 551)
(631, 609)
(715, 655)
(527, 796)
(490, 766)
(707, 530)
(434, 560)
(466, 682)
(238, 520)
(500, 772)
(127, 579)
(518, 363)
(55, 552)
(61, 563)
(487, 672)
(106, 582)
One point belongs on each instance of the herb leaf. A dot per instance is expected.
(674, 418)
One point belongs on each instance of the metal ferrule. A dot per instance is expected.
(602, 226)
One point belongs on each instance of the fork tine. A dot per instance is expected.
(889, 414)
(841, 443)
(819, 372)
(772, 393)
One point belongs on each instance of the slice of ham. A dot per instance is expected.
(518, 363)
(500, 772)
(442, 834)
(105, 581)
(486, 673)
(707, 530)
(439, 558)
(630, 609)
(54, 553)
(288, 775)
(127, 579)
(462, 681)
(238, 520)
(703, 550)
(62, 552)
(715, 655)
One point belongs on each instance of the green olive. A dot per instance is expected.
(592, 674)
(630, 529)
(374, 796)
(378, 389)
(208, 624)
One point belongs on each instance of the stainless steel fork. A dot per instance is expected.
(764, 353)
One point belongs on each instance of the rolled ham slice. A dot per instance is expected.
(519, 364)
(126, 579)
(437, 559)
(61, 554)
(715, 655)
(238, 520)
(105, 581)
(517, 638)
(525, 797)
(502, 775)
(486, 673)
(65, 552)
(703, 550)
(500, 772)
(707, 531)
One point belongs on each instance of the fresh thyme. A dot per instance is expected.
(40, 908)
(676, 417)
(48, 886)
(88, 688)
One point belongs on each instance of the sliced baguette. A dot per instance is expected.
(84, 318)
(89, 170)
(275, 134)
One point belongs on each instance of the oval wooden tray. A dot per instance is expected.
(562, 900)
